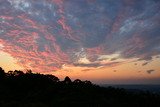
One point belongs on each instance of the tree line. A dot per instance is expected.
(19, 89)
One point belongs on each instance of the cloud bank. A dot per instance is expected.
(47, 34)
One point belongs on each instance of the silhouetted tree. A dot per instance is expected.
(53, 78)
(18, 73)
(10, 73)
(29, 71)
(67, 80)
(88, 82)
(2, 73)
(77, 81)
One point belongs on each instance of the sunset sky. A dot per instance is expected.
(105, 41)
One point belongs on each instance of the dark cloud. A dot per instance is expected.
(150, 71)
(85, 70)
(88, 65)
(135, 63)
(95, 65)
(145, 63)
(113, 59)
(114, 70)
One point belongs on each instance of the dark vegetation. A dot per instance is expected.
(19, 89)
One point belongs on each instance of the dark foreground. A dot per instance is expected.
(18, 89)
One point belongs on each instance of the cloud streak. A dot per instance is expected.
(150, 71)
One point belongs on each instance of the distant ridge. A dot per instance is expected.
(142, 87)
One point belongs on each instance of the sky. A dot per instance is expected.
(105, 41)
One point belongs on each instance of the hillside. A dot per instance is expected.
(19, 89)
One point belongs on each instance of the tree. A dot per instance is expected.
(10, 73)
(53, 78)
(29, 71)
(67, 80)
(88, 82)
(2, 73)
(77, 81)
(18, 73)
